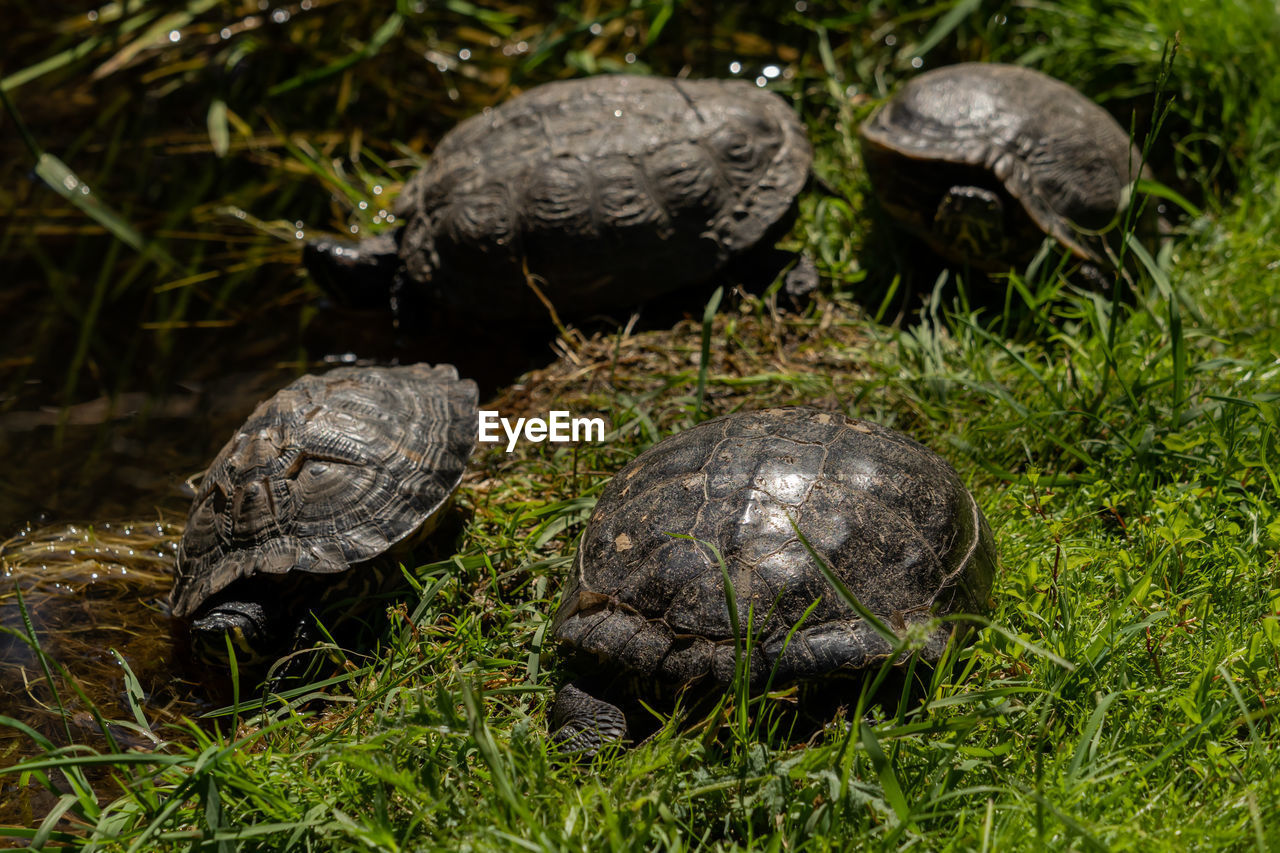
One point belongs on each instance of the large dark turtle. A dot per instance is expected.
(332, 471)
(889, 516)
(602, 192)
(982, 160)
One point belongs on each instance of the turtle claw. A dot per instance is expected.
(583, 725)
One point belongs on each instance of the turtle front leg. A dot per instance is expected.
(296, 661)
(583, 724)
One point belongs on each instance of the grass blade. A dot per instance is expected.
(704, 365)
(884, 770)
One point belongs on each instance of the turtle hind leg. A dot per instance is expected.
(583, 724)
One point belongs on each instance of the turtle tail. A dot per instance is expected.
(357, 274)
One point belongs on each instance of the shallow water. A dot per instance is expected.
(78, 605)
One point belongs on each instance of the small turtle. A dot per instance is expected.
(890, 518)
(601, 193)
(332, 471)
(982, 160)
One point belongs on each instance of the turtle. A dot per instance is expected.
(587, 195)
(982, 160)
(332, 472)
(889, 517)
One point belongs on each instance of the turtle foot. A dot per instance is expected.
(801, 281)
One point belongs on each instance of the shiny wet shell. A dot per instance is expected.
(331, 471)
(889, 516)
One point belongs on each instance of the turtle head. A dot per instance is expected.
(356, 274)
(970, 221)
(584, 724)
(246, 623)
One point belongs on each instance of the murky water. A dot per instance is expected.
(77, 606)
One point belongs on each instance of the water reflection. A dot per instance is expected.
(78, 604)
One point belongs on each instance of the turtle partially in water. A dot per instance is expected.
(982, 160)
(592, 195)
(647, 596)
(323, 478)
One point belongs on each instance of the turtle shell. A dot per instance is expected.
(888, 516)
(607, 190)
(332, 470)
(1066, 162)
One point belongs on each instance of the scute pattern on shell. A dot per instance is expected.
(890, 517)
(609, 189)
(332, 470)
(1064, 157)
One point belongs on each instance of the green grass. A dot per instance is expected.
(1125, 451)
